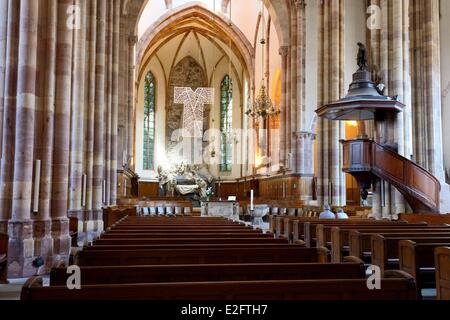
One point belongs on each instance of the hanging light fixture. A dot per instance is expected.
(262, 106)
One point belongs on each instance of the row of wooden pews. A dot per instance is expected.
(409, 247)
(193, 258)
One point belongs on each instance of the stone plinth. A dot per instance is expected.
(226, 209)
(21, 249)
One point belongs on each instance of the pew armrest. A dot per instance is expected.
(300, 243)
(353, 259)
(323, 254)
(33, 282)
(398, 274)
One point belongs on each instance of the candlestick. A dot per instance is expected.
(83, 197)
(37, 183)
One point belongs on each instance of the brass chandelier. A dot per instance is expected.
(262, 107)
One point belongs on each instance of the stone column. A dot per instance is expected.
(131, 105)
(78, 120)
(108, 101)
(294, 100)
(427, 113)
(3, 42)
(331, 179)
(99, 127)
(21, 243)
(86, 227)
(115, 103)
(45, 130)
(284, 51)
(300, 81)
(9, 114)
(390, 60)
(61, 152)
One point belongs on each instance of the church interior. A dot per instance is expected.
(224, 150)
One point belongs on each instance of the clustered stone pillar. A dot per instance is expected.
(426, 84)
(9, 112)
(390, 61)
(284, 52)
(20, 226)
(331, 179)
(57, 87)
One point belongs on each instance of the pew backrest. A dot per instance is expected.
(356, 289)
(442, 261)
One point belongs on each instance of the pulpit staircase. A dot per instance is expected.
(367, 160)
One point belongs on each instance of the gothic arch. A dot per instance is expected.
(279, 11)
(238, 39)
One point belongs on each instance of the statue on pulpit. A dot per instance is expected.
(362, 57)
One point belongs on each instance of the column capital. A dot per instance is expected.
(299, 4)
(132, 40)
(303, 135)
(283, 51)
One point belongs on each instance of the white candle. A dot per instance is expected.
(104, 192)
(83, 199)
(251, 200)
(125, 188)
(37, 184)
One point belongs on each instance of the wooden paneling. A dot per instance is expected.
(148, 189)
(289, 187)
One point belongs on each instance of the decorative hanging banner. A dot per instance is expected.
(194, 102)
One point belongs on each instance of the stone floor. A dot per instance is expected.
(12, 290)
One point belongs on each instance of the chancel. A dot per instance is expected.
(224, 150)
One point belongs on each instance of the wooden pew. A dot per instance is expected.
(340, 236)
(149, 235)
(299, 225)
(323, 231)
(192, 246)
(360, 243)
(309, 228)
(155, 241)
(169, 231)
(442, 262)
(418, 260)
(199, 256)
(385, 248)
(207, 273)
(354, 289)
(4, 242)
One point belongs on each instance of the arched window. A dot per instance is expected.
(149, 122)
(226, 124)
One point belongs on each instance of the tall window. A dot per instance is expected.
(149, 122)
(226, 124)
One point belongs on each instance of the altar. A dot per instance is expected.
(226, 209)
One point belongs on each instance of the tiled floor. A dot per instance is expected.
(12, 290)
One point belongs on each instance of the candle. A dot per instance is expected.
(83, 198)
(125, 188)
(37, 182)
(104, 192)
(251, 200)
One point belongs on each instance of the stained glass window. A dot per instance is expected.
(226, 124)
(149, 122)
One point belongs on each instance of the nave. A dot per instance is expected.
(198, 258)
